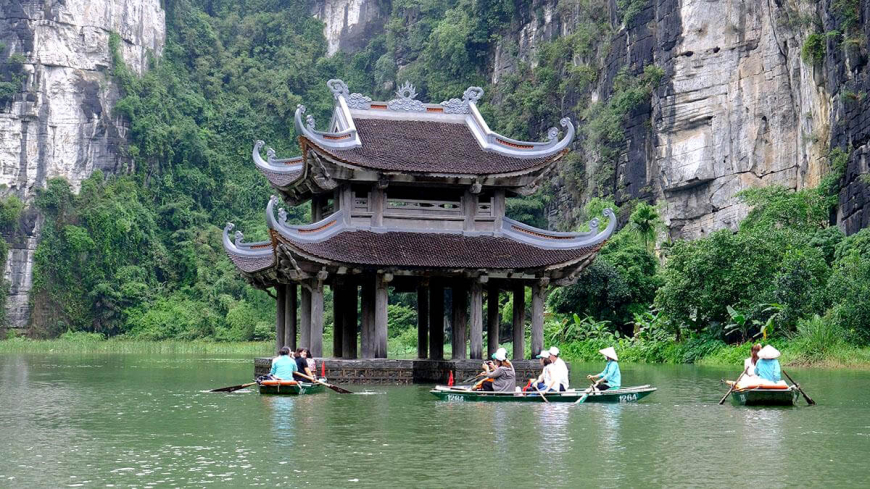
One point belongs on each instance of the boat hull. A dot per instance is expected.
(290, 389)
(765, 397)
(621, 396)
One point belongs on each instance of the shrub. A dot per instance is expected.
(813, 50)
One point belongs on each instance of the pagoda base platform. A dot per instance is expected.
(387, 371)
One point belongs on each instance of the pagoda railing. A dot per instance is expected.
(422, 208)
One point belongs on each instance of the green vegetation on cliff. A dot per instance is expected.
(139, 255)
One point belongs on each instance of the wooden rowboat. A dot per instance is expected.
(464, 394)
(288, 387)
(760, 396)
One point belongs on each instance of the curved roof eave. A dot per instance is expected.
(553, 240)
(495, 142)
(250, 257)
(345, 139)
(282, 173)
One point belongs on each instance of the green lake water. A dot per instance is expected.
(136, 421)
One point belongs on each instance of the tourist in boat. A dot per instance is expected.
(610, 378)
(559, 370)
(550, 379)
(283, 365)
(312, 366)
(767, 368)
(749, 365)
(302, 362)
(500, 377)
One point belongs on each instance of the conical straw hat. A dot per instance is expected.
(609, 352)
(768, 353)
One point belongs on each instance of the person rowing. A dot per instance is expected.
(610, 378)
(499, 376)
(767, 368)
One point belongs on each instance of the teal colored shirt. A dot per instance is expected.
(283, 367)
(611, 375)
(768, 370)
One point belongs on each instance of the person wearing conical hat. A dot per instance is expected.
(767, 367)
(610, 378)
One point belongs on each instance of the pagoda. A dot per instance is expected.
(409, 195)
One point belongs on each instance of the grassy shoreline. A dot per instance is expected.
(665, 352)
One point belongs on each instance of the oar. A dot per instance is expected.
(809, 401)
(587, 392)
(721, 401)
(472, 378)
(233, 388)
(336, 388)
(542, 394)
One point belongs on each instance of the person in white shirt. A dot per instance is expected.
(546, 377)
(559, 371)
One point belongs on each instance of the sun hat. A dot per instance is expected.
(609, 352)
(768, 353)
(554, 351)
(544, 354)
(500, 355)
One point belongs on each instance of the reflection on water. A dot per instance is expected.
(126, 420)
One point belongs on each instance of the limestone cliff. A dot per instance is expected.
(737, 106)
(60, 122)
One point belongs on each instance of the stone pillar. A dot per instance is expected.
(378, 203)
(317, 319)
(280, 303)
(539, 292)
(492, 319)
(476, 319)
(498, 208)
(338, 290)
(460, 320)
(367, 296)
(381, 299)
(469, 210)
(422, 321)
(305, 318)
(348, 328)
(290, 317)
(519, 321)
(436, 321)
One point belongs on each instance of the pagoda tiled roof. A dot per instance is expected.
(515, 246)
(437, 250)
(405, 135)
(428, 146)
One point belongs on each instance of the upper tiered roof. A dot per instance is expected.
(405, 138)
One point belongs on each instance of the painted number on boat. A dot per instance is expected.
(455, 397)
(627, 398)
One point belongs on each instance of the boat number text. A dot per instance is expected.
(627, 398)
(455, 397)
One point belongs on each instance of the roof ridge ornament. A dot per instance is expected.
(354, 100)
(406, 100)
(457, 106)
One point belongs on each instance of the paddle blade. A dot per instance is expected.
(338, 389)
(233, 388)
(582, 399)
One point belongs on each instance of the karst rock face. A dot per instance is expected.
(60, 124)
(737, 106)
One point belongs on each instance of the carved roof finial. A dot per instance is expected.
(406, 99)
(338, 88)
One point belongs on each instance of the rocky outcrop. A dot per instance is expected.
(60, 123)
(349, 24)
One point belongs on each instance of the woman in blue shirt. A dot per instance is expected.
(611, 378)
(767, 367)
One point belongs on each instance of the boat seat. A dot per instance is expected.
(278, 382)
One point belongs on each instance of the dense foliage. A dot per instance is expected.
(140, 254)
